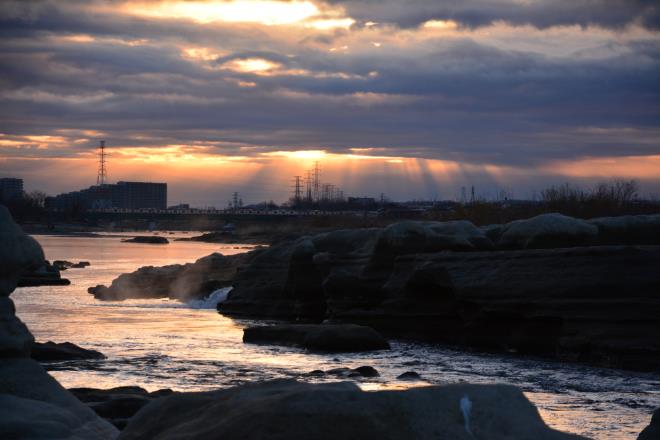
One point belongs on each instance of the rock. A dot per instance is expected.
(290, 410)
(652, 432)
(328, 338)
(44, 274)
(147, 240)
(366, 371)
(117, 405)
(409, 375)
(34, 405)
(177, 281)
(65, 351)
(628, 229)
(547, 231)
(64, 264)
(595, 304)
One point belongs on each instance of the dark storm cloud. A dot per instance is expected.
(446, 98)
(476, 13)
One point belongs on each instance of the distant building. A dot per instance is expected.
(137, 195)
(10, 189)
(125, 195)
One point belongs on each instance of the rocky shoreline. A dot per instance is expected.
(443, 271)
(552, 285)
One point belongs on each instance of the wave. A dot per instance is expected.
(210, 302)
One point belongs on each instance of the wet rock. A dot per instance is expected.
(290, 410)
(366, 371)
(316, 373)
(177, 281)
(65, 351)
(147, 240)
(595, 304)
(342, 371)
(323, 337)
(409, 375)
(43, 275)
(64, 264)
(34, 405)
(652, 432)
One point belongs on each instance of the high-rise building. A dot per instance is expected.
(10, 189)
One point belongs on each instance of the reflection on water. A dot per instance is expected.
(163, 344)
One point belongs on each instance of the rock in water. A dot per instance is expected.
(290, 410)
(652, 432)
(176, 281)
(32, 404)
(596, 303)
(322, 337)
(64, 351)
(147, 240)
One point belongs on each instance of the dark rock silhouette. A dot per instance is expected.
(117, 405)
(64, 351)
(597, 303)
(177, 281)
(33, 405)
(151, 239)
(290, 410)
(652, 432)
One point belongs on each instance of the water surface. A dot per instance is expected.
(165, 344)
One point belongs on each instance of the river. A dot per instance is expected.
(165, 344)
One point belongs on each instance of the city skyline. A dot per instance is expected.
(414, 101)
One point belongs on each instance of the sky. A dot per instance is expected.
(414, 99)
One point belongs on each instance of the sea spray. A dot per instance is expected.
(211, 301)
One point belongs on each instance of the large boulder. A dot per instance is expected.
(290, 410)
(33, 405)
(324, 337)
(182, 282)
(547, 231)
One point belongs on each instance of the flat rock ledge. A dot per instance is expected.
(286, 409)
(322, 337)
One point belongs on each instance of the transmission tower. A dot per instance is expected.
(308, 186)
(297, 189)
(102, 174)
(317, 180)
(235, 201)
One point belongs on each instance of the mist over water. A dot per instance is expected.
(166, 344)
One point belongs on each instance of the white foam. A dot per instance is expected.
(211, 301)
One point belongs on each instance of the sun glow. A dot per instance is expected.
(252, 65)
(248, 11)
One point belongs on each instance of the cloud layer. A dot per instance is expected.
(493, 82)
